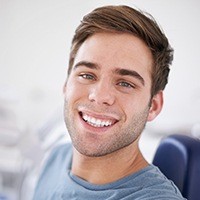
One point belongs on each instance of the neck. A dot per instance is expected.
(109, 168)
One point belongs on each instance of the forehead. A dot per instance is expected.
(116, 50)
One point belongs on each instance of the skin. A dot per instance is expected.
(111, 82)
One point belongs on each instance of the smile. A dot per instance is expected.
(95, 122)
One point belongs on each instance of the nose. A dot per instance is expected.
(102, 93)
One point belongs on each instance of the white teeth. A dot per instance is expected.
(93, 121)
(108, 123)
(85, 117)
(96, 122)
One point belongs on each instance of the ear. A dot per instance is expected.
(156, 106)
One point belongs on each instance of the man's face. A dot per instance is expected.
(107, 94)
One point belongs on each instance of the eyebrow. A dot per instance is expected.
(132, 73)
(90, 65)
(121, 72)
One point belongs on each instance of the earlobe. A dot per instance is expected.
(156, 106)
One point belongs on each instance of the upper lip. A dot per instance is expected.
(102, 116)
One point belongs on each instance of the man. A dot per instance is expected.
(118, 69)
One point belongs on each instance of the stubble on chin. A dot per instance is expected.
(94, 147)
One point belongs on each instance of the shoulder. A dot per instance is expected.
(59, 156)
(157, 186)
(60, 152)
(55, 167)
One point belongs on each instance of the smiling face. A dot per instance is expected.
(108, 93)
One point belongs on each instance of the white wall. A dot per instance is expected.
(35, 39)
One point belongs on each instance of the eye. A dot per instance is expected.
(87, 76)
(126, 84)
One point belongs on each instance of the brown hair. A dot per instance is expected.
(124, 19)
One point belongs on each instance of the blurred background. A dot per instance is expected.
(35, 37)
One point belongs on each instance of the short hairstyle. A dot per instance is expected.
(124, 19)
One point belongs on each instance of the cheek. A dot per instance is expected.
(134, 105)
(74, 91)
(134, 102)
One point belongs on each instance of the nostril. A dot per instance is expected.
(102, 97)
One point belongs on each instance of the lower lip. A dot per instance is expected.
(92, 128)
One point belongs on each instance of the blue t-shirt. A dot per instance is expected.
(57, 182)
